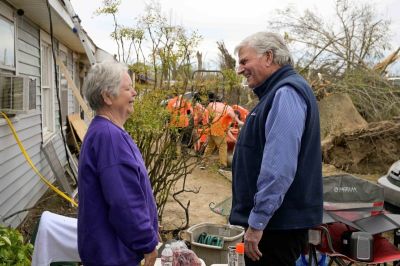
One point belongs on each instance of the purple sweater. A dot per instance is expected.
(117, 218)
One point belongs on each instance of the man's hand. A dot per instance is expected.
(251, 239)
(150, 258)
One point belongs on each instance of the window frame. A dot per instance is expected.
(63, 84)
(8, 15)
(48, 117)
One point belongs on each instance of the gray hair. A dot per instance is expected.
(103, 77)
(263, 42)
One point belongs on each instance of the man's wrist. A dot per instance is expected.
(257, 221)
(254, 229)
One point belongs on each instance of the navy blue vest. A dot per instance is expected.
(303, 202)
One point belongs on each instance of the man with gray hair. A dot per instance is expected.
(277, 169)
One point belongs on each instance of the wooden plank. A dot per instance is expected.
(78, 125)
(74, 89)
(60, 148)
(56, 166)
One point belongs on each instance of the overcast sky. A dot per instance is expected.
(217, 20)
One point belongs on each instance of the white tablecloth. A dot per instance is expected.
(56, 240)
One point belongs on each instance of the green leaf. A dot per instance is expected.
(6, 240)
(20, 238)
(13, 250)
(21, 255)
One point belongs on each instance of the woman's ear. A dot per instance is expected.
(106, 98)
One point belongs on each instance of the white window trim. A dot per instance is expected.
(7, 13)
(63, 49)
(47, 133)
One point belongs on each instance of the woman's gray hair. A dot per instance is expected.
(103, 77)
(263, 42)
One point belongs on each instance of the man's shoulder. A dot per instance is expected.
(296, 80)
(287, 89)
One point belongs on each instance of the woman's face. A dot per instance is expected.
(123, 103)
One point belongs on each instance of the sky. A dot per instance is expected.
(218, 20)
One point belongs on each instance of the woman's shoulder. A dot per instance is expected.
(111, 143)
(105, 132)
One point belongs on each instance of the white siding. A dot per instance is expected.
(20, 187)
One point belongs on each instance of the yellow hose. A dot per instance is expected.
(28, 159)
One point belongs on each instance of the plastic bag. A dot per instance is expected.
(184, 256)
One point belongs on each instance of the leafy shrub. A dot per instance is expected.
(158, 144)
(13, 250)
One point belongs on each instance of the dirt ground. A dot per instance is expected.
(213, 187)
(50, 201)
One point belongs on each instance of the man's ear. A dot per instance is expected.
(269, 58)
(106, 98)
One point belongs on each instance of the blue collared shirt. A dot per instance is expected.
(283, 132)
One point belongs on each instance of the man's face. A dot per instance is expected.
(255, 67)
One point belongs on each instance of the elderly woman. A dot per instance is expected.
(117, 219)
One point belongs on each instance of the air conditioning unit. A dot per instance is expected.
(17, 94)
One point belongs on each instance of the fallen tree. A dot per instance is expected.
(338, 114)
(364, 151)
